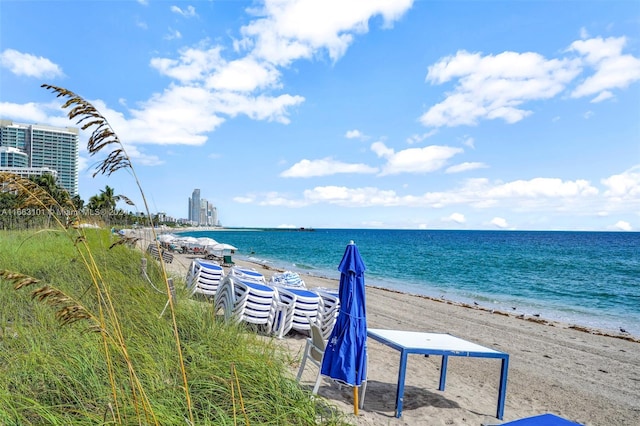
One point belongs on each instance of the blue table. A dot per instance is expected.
(446, 345)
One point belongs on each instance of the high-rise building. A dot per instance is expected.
(13, 157)
(201, 211)
(46, 147)
(194, 207)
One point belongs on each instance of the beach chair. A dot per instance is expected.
(328, 310)
(247, 275)
(305, 310)
(540, 420)
(313, 353)
(283, 322)
(248, 302)
(204, 278)
(227, 261)
(152, 249)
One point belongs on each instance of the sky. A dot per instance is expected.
(392, 114)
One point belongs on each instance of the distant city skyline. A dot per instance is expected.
(200, 211)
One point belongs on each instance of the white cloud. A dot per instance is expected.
(29, 112)
(538, 194)
(290, 30)
(189, 12)
(325, 167)
(182, 115)
(173, 34)
(613, 70)
(193, 65)
(28, 65)
(542, 187)
(469, 141)
(623, 226)
(355, 134)
(465, 167)
(139, 157)
(624, 186)
(415, 138)
(244, 200)
(495, 86)
(352, 197)
(604, 95)
(260, 107)
(499, 222)
(208, 87)
(414, 160)
(276, 200)
(179, 115)
(455, 217)
(584, 33)
(244, 75)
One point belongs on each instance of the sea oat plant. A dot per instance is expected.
(103, 139)
(124, 370)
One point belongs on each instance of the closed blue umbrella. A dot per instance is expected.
(345, 357)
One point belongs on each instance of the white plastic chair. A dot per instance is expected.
(284, 312)
(305, 310)
(204, 277)
(327, 311)
(313, 353)
(246, 302)
(247, 275)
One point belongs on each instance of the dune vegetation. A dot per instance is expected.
(86, 338)
(62, 374)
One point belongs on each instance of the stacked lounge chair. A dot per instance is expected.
(328, 311)
(247, 275)
(204, 277)
(306, 306)
(245, 301)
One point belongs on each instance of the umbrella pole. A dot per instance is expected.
(355, 400)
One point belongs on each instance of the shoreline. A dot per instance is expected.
(582, 375)
(613, 320)
(521, 316)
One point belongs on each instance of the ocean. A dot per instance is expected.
(590, 279)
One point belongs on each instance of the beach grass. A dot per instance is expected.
(70, 374)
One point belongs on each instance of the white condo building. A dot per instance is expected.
(34, 149)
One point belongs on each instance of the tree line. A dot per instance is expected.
(18, 212)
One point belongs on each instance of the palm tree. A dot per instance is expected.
(78, 202)
(109, 199)
(48, 183)
(105, 203)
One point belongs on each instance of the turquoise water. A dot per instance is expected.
(584, 278)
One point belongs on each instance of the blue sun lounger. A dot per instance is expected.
(541, 420)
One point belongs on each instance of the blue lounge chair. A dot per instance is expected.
(541, 420)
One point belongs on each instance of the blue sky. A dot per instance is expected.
(346, 113)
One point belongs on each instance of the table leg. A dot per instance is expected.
(502, 391)
(443, 372)
(401, 376)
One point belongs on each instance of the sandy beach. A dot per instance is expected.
(554, 368)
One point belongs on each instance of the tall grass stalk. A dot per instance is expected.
(58, 375)
(104, 138)
(94, 285)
